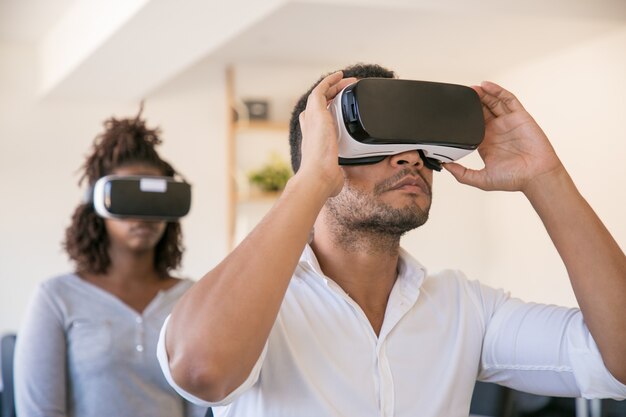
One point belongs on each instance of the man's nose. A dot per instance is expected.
(407, 159)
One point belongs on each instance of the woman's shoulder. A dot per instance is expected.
(55, 293)
(60, 283)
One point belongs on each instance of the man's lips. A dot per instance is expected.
(411, 183)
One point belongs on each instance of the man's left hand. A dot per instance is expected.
(516, 152)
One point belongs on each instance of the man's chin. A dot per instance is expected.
(409, 199)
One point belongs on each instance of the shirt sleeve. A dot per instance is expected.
(164, 363)
(40, 360)
(543, 349)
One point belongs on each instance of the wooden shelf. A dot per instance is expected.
(266, 125)
(258, 196)
(249, 144)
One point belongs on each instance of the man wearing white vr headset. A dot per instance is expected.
(343, 322)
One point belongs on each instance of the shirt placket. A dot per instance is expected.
(399, 303)
(386, 388)
(383, 379)
(139, 335)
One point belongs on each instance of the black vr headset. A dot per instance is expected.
(377, 117)
(140, 197)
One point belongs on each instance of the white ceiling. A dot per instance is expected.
(27, 21)
(425, 40)
(435, 38)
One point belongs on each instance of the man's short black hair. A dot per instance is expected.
(295, 135)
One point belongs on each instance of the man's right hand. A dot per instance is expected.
(319, 135)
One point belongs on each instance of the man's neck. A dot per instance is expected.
(364, 266)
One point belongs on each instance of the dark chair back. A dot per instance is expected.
(7, 349)
(491, 400)
(613, 408)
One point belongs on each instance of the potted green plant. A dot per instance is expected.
(272, 176)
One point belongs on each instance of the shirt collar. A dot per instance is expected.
(411, 273)
(308, 260)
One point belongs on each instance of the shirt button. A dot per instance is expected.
(139, 348)
(139, 320)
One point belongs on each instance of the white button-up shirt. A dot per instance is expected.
(440, 333)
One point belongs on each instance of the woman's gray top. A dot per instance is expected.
(82, 352)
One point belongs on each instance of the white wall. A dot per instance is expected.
(43, 144)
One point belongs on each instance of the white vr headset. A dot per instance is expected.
(377, 117)
(140, 197)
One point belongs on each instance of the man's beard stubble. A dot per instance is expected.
(356, 215)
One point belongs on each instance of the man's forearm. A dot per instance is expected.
(595, 263)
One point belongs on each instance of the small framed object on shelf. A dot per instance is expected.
(257, 109)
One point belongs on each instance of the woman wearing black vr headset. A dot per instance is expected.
(87, 345)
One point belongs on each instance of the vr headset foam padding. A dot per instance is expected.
(377, 117)
(141, 197)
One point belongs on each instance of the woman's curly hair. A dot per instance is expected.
(124, 142)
